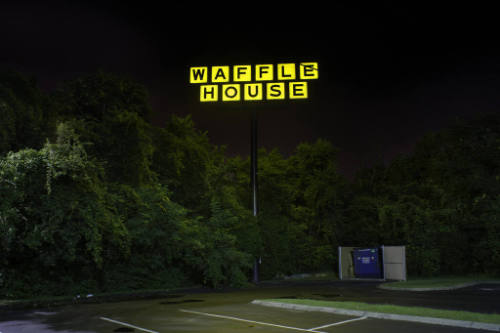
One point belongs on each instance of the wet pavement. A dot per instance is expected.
(231, 311)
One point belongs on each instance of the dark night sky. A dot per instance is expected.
(388, 73)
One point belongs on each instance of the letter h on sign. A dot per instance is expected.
(209, 93)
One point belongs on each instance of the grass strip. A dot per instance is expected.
(397, 309)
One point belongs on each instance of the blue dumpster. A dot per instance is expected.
(366, 263)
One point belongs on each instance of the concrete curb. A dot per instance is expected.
(388, 316)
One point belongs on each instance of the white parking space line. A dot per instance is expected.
(128, 325)
(249, 321)
(339, 323)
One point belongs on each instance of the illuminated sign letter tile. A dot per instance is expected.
(275, 90)
(230, 92)
(220, 73)
(286, 71)
(209, 93)
(198, 75)
(242, 73)
(308, 70)
(297, 90)
(264, 73)
(253, 92)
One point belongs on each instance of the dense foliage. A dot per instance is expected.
(93, 197)
(442, 201)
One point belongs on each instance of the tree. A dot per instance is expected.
(213, 250)
(55, 211)
(182, 160)
(100, 95)
(439, 200)
(27, 116)
(302, 206)
(111, 114)
(318, 202)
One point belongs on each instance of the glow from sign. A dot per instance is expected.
(253, 83)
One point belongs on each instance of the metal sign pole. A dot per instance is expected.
(253, 167)
(218, 84)
(253, 178)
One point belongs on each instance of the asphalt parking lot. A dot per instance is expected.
(233, 311)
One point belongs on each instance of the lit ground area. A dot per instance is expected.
(232, 312)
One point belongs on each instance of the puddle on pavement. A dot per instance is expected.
(174, 296)
(328, 295)
(124, 329)
(44, 313)
(182, 301)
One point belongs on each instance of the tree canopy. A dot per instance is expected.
(94, 197)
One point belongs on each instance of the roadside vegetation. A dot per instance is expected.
(95, 198)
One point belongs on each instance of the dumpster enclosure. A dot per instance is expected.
(383, 263)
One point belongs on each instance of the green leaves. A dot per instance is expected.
(436, 200)
(183, 160)
(99, 199)
(220, 261)
(27, 116)
(55, 212)
(302, 207)
(100, 96)
(110, 114)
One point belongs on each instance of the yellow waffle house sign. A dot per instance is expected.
(253, 82)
